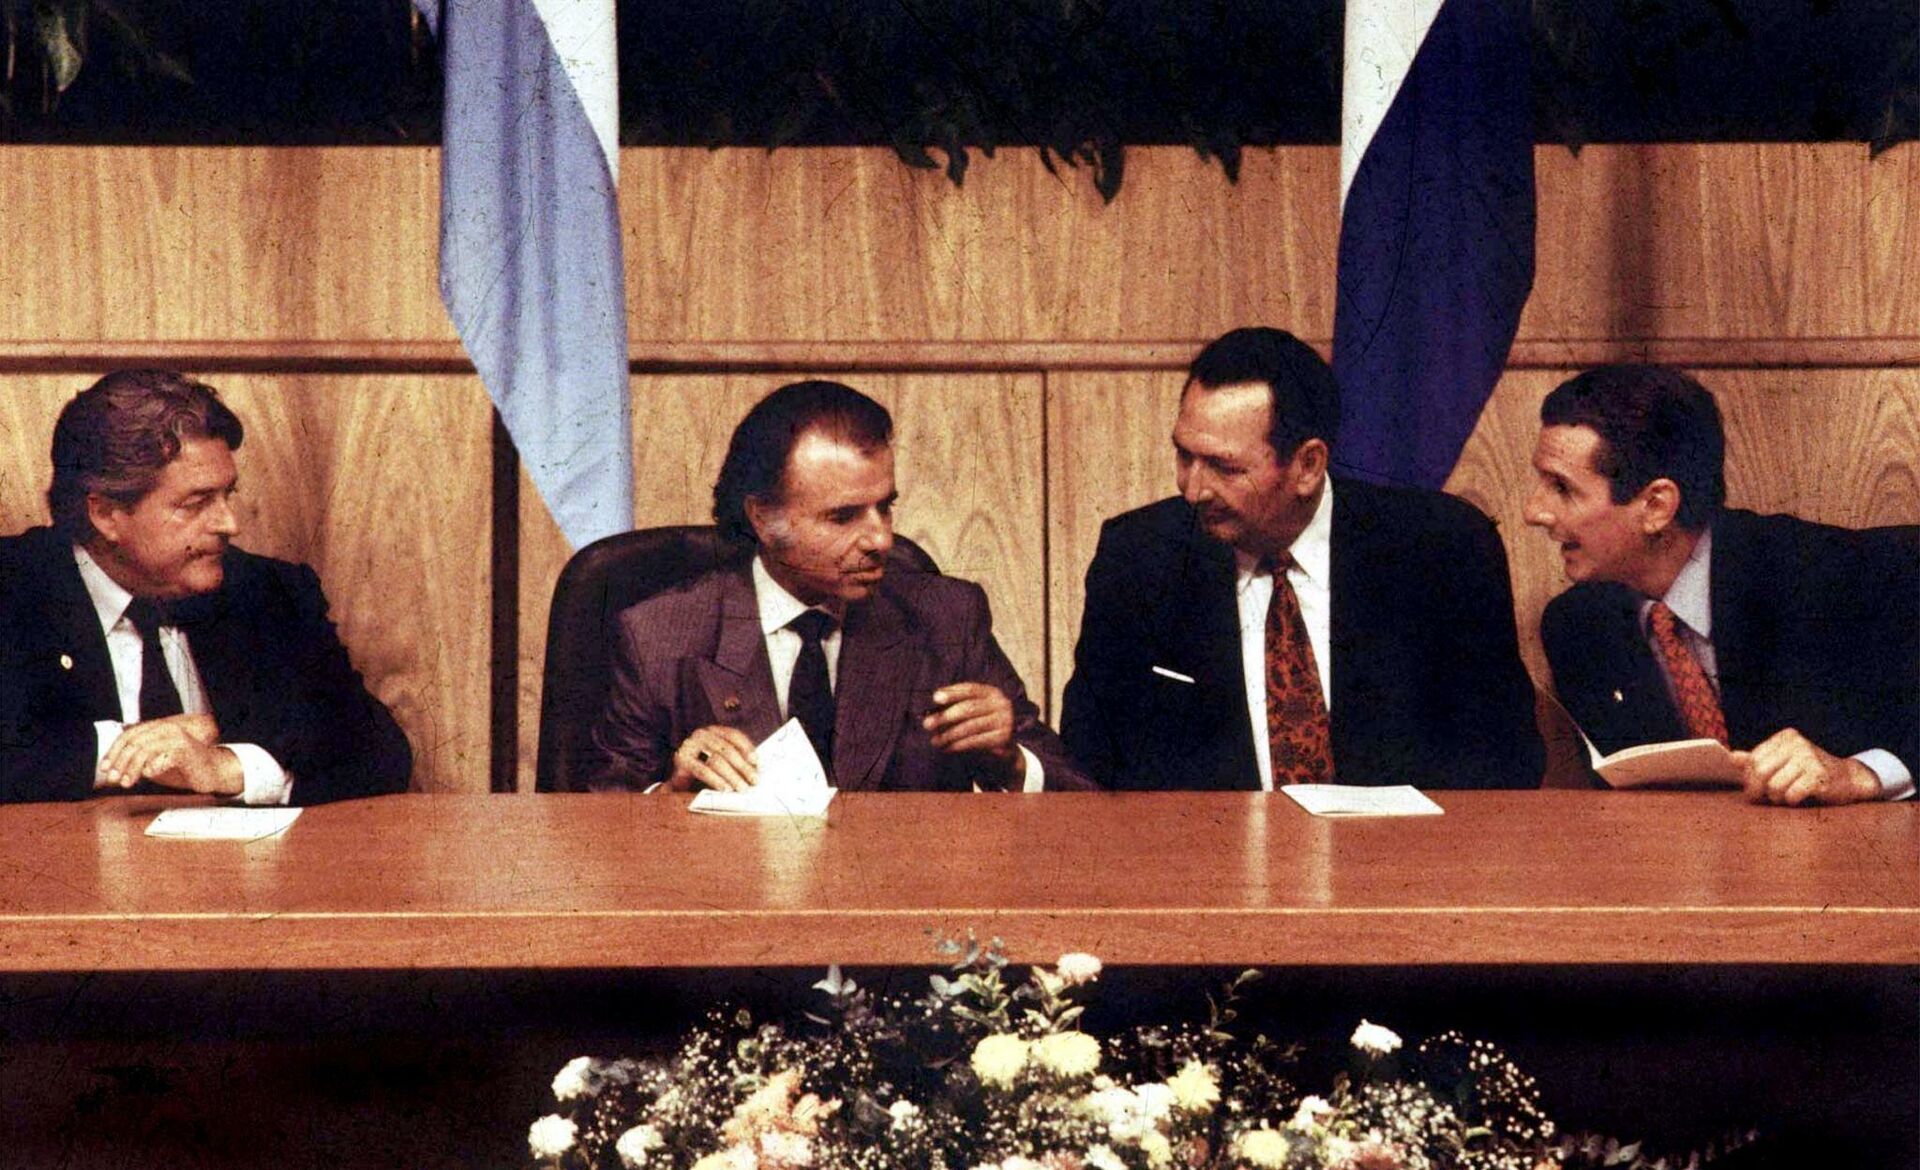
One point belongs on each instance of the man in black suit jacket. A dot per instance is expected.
(139, 648)
(1403, 595)
(1799, 639)
(900, 684)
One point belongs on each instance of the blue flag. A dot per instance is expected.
(530, 265)
(1436, 227)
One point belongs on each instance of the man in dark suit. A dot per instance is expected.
(1793, 642)
(139, 648)
(1274, 625)
(894, 675)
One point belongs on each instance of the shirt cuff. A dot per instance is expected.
(264, 781)
(105, 731)
(1036, 780)
(1896, 782)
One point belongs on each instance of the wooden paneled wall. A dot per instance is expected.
(1029, 338)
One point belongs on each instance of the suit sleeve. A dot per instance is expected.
(988, 663)
(1497, 739)
(43, 756)
(331, 735)
(632, 737)
(1100, 659)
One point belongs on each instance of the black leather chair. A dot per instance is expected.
(599, 581)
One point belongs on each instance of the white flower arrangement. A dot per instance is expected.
(981, 1074)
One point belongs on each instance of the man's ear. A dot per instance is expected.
(1308, 467)
(107, 516)
(759, 517)
(1659, 504)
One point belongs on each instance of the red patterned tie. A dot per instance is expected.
(1692, 693)
(1298, 731)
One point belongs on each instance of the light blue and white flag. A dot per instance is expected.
(1436, 227)
(530, 265)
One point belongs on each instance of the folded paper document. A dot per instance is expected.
(789, 781)
(1681, 761)
(1352, 800)
(222, 824)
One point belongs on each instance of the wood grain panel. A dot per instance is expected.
(149, 243)
(968, 465)
(1700, 241)
(379, 483)
(742, 245)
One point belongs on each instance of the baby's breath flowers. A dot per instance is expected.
(571, 1080)
(1374, 1040)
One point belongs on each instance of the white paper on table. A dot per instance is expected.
(221, 824)
(789, 781)
(1353, 800)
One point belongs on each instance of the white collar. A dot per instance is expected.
(1312, 550)
(110, 598)
(1690, 597)
(777, 606)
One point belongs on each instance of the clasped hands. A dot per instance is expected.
(1789, 768)
(179, 751)
(967, 718)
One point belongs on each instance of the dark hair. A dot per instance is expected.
(117, 435)
(756, 463)
(1305, 398)
(1654, 423)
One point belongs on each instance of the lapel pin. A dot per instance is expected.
(1618, 697)
(730, 703)
(66, 662)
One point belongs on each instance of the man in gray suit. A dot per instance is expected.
(893, 673)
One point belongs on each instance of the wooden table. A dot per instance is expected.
(574, 881)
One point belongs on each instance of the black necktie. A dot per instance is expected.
(158, 696)
(809, 696)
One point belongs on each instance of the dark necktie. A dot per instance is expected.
(158, 696)
(1299, 734)
(809, 695)
(1692, 693)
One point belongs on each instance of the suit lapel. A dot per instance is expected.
(78, 638)
(738, 682)
(878, 671)
(1637, 705)
(1742, 628)
(1200, 616)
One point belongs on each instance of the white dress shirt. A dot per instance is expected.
(264, 780)
(1310, 576)
(1690, 597)
(779, 607)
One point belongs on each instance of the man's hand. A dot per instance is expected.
(180, 751)
(717, 756)
(976, 717)
(1789, 768)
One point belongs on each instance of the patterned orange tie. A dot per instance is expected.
(1692, 693)
(1298, 730)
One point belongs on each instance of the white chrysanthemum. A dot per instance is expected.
(998, 1059)
(1077, 967)
(902, 1111)
(1102, 1157)
(1156, 1101)
(1016, 1162)
(571, 1080)
(635, 1144)
(1266, 1148)
(1117, 1109)
(732, 1158)
(1194, 1088)
(1309, 1112)
(551, 1136)
(1156, 1147)
(1067, 1054)
(1374, 1040)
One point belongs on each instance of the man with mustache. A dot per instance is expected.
(1275, 625)
(1797, 644)
(140, 649)
(894, 674)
